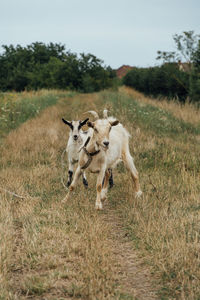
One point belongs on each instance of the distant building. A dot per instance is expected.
(185, 67)
(123, 70)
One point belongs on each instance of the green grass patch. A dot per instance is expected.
(151, 118)
(17, 108)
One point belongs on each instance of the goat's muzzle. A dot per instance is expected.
(106, 144)
(75, 137)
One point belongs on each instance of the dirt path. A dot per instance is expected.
(58, 252)
(135, 278)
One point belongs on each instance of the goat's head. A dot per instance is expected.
(102, 128)
(75, 127)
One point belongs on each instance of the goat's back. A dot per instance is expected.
(118, 144)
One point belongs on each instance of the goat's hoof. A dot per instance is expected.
(99, 206)
(138, 194)
(86, 186)
(111, 184)
(104, 199)
(85, 183)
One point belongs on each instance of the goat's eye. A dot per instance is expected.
(95, 130)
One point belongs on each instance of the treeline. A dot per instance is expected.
(165, 80)
(168, 79)
(50, 66)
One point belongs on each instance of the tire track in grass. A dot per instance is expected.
(134, 278)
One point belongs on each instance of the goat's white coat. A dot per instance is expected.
(108, 157)
(73, 146)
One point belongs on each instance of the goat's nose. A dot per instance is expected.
(75, 137)
(106, 144)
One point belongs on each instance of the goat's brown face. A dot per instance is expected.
(102, 130)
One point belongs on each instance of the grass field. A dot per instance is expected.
(147, 248)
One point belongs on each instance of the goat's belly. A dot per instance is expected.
(95, 165)
(94, 169)
(94, 172)
(73, 154)
(113, 157)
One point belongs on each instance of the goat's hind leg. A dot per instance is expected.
(111, 182)
(128, 161)
(69, 180)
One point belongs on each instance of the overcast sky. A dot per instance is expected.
(117, 31)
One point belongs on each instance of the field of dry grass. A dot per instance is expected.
(144, 248)
(187, 111)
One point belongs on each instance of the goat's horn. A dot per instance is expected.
(83, 122)
(105, 113)
(94, 113)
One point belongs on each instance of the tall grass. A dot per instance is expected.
(47, 249)
(55, 251)
(164, 225)
(188, 112)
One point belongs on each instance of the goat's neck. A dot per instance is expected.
(92, 145)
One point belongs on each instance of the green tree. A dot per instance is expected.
(187, 50)
(186, 46)
(195, 76)
(51, 66)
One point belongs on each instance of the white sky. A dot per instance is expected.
(116, 31)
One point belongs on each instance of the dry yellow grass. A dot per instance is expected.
(54, 251)
(186, 112)
(51, 250)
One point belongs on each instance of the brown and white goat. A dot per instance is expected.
(108, 145)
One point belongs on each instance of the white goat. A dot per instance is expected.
(108, 145)
(77, 138)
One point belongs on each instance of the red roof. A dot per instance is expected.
(123, 70)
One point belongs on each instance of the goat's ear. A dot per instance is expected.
(68, 123)
(90, 124)
(114, 123)
(84, 122)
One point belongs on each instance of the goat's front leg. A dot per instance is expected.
(70, 173)
(100, 178)
(105, 185)
(85, 180)
(77, 174)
